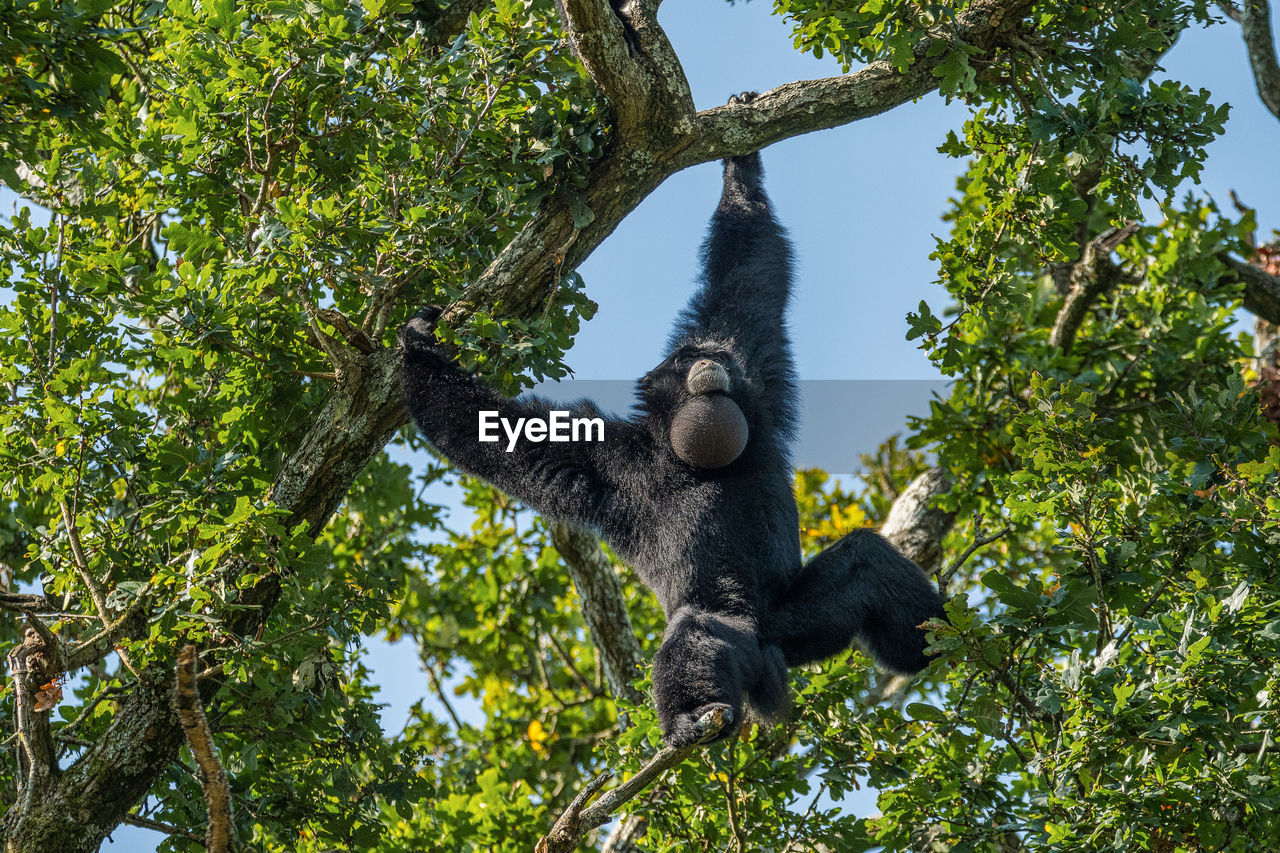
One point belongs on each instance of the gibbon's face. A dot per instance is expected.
(692, 392)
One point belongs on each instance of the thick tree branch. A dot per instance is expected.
(518, 281)
(32, 663)
(802, 107)
(1261, 289)
(24, 602)
(91, 797)
(643, 83)
(217, 793)
(670, 89)
(603, 607)
(1255, 26)
(599, 38)
(914, 526)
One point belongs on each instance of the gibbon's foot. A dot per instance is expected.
(743, 98)
(685, 731)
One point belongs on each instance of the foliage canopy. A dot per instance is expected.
(233, 207)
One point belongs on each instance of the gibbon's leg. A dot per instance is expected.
(860, 588)
(706, 660)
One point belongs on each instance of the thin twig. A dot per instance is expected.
(1151, 602)
(730, 782)
(569, 664)
(54, 278)
(439, 691)
(166, 828)
(979, 541)
(82, 565)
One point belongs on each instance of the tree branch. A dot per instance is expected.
(603, 607)
(519, 279)
(802, 107)
(1255, 26)
(157, 826)
(31, 665)
(217, 793)
(626, 834)
(914, 526)
(82, 565)
(579, 819)
(24, 602)
(599, 38)
(1261, 289)
(101, 644)
(641, 84)
(979, 540)
(1090, 277)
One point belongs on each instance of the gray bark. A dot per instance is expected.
(914, 526)
(1255, 26)
(603, 607)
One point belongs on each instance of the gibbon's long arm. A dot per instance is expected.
(747, 263)
(569, 480)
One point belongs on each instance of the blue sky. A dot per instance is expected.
(862, 203)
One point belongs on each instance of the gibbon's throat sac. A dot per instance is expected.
(709, 431)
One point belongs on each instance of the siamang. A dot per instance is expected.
(695, 488)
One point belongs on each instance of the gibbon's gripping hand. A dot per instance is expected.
(744, 176)
(420, 331)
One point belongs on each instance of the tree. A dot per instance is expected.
(245, 201)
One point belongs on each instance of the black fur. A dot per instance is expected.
(720, 548)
